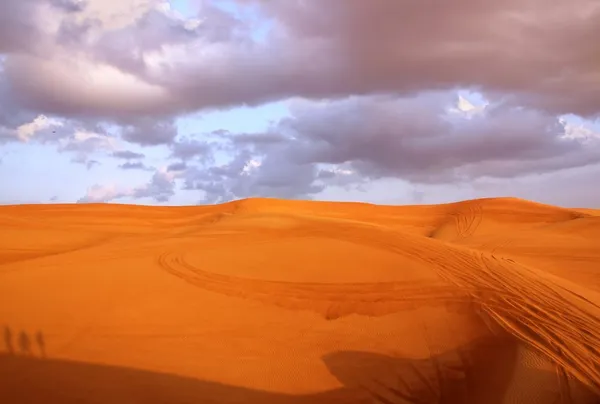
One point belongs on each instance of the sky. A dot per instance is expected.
(187, 102)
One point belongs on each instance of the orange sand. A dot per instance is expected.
(270, 301)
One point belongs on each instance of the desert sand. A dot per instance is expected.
(271, 301)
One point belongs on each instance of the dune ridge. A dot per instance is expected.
(335, 276)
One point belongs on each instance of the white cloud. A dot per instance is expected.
(250, 166)
(465, 108)
(28, 130)
(104, 193)
(581, 131)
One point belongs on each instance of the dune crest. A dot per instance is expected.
(298, 301)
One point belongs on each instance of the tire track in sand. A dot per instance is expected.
(560, 324)
(467, 220)
(563, 326)
(557, 322)
(332, 300)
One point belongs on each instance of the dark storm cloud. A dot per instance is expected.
(541, 55)
(74, 33)
(11, 114)
(341, 47)
(18, 25)
(150, 32)
(21, 22)
(421, 139)
(119, 56)
(416, 139)
(380, 74)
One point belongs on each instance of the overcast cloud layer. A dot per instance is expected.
(371, 90)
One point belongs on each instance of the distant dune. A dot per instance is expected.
(270, 301)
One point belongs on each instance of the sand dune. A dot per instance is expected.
(263, 300)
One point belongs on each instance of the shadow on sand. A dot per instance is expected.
(489, 370)
(24, 343)
(465, 375)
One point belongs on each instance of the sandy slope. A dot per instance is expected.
(262, 300)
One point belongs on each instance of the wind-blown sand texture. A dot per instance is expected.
(270, 301)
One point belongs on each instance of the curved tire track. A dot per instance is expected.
(564, 327)
(329, 299)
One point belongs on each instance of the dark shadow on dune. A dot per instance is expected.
(25, 344)
(479, 373)
(465, 375)
(27, 380)
(41, 343)
(8, 342)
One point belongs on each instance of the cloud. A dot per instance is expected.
(91, 163)
(244, 176)
(127, 154)
(187, 148)
(85, 160)
(371, 89)
(84, 141)
(420, 139)
(160, 188)
(69, 5)
(99, 54)
(150, 132)
(416, 139)
(361, 48)
(580, 132)
(135, 166)
(179, 166)
(68, 134)
(514, 46)
(39, 127)
(102, 193)
(142, 59)
(18, 24)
